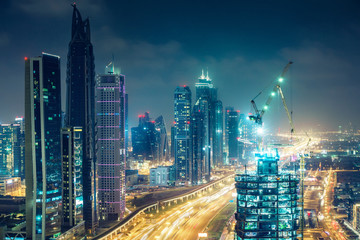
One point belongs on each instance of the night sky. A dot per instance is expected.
(161, 44)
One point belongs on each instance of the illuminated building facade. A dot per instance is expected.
(19, 160)
(232, 136)
(80, 109)
(144, 139)
(218, 134)
(10, 186)
(42, 146)
(163, 142)
(111, 152)
(198, 138)
(213, 123)
(182, 135)
(72, 181)
(266, 202)
(10, 150)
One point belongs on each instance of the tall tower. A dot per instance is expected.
(80, 108)
(232, 136)
(72, 184)
(42, 145)
(206, 93)
(111, 153)
(10, 150)
(20, 149)
(266, 201)
(218, 133)
(182, 136)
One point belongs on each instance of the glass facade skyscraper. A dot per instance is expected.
(182, 135)
(10, 150)
(111, 152)
(42, 146)
(80, 109)
(72, 181)
(267, 202)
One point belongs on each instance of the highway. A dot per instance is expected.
(183, 221)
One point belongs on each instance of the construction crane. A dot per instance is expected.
(257, 118)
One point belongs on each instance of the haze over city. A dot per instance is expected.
(179, 120)
(159, 45)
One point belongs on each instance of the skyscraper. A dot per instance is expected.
(200, 142)
(232, 135)
(218, 133)
(111, 152)
(144, 139)
(72, 182)
(10, 152)
(163, 142)
(266, 201)
(182, 135)
(206, 99)
(80, 108)
(42, 145)
(19, 163)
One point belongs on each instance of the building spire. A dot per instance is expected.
(202, 74)
(207, 76)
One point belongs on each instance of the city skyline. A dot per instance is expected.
(239, 50)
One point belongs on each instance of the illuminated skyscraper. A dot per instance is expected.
(19, 160)
(232, 136)
(42, 146)
(144, 139)
(182, 135)
(218, 134)
(206, 94)
(199, 167)
(10, 152)
(111, 152)
(80, 108)
(163, 142)
(266, 202)
(72, 181)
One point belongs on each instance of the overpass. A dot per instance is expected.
(113, 231)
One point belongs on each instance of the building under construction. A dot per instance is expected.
(267, 202)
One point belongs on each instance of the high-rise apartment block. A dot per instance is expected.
(72, 178)
(42, 146)
(266, 201)
(80, 109)
(182, 135)
(111, 151)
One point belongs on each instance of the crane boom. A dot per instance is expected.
(287, 110)
(257, 117)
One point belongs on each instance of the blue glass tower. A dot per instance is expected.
(182, 150)
(80, 109)
(42, 146)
